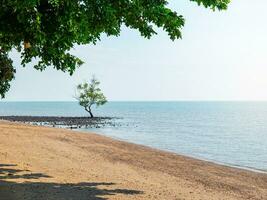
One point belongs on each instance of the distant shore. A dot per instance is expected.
(49, 163)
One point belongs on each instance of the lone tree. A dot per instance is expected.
(90, 94)
(45, 30)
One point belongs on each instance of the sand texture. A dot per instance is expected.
(39, 163)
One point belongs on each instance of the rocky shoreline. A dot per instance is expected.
(66, 122)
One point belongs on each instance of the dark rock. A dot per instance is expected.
(68, 122)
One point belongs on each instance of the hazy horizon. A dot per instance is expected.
(220, 58)
(139, 101)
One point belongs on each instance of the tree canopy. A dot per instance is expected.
(47, 29)
(90, 94)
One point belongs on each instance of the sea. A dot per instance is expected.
(228, 133)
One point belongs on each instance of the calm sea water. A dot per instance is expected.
(231, 133)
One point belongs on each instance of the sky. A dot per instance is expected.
(222, 56)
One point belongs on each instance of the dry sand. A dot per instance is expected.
(39, 163)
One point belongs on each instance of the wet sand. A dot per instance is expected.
(56, 164)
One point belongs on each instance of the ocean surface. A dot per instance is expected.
(230, 133)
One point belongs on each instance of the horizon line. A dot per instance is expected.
(18, 101)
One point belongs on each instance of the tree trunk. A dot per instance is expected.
(90, 112)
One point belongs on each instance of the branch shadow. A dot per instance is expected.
(30, 189)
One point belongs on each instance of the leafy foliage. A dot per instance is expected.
(48, 29)
(6, 73)
(90, 94)
(213, 4)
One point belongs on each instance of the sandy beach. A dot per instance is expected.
(55, 164)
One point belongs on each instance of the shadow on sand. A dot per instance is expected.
(31, 189)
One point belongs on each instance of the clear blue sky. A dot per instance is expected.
(222, 56)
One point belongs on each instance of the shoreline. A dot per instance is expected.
(79, 123)
(141, 172)
(250, 169)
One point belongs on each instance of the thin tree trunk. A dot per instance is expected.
(90, 112)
